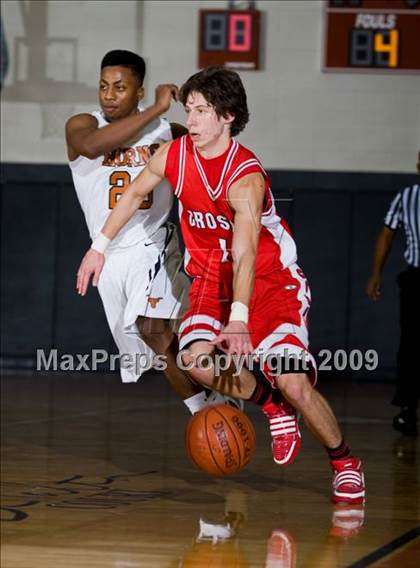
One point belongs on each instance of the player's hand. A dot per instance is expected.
(373, 288)
(91, 265)
(234, 339)
(164, 95)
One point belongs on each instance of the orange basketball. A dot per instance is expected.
(220, 439)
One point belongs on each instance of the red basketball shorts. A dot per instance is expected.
(278, 314)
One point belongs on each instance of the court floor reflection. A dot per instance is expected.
(95, 474)
(220, 544)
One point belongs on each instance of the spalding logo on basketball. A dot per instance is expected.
(220, 439)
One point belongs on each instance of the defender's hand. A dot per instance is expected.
(91, 265)
(164, 95)
(234, 339)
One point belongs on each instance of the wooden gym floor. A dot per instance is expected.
(94, 474)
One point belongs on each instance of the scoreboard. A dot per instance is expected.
(372, 36)
(229, 37)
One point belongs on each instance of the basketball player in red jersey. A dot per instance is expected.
(248, 295)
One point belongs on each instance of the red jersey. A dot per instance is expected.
(207, 219)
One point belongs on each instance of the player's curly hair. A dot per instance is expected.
(223, 89)
(124, 58)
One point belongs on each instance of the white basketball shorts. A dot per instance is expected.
(142, 280)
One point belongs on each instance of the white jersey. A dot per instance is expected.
(100, 182)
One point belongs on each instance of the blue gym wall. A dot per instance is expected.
(334, 216)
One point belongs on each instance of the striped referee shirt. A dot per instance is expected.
(405, 210)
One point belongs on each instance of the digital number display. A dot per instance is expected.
(374, 49)
(229, 37)
(215, 33)
(372, 35)
(240, 32)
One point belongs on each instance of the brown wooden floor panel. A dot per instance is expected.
(94, 474)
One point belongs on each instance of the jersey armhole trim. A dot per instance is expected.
(181, 166)
(240, 172)
(74, 163)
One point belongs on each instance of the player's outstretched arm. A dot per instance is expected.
(382, 249)
(84, 138)
(246, 197)
(127, 205)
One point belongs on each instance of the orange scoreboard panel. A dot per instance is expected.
(372, 36)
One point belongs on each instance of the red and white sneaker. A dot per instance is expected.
(284, 431)
(281, 550)
(347, 521)
(348, 481)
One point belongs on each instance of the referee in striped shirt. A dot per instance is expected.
(403, 212)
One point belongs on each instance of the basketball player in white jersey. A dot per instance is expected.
(141, 288)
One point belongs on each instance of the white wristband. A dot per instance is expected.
(239, 312)
(100, 244)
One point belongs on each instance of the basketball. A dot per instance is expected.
(220, 440)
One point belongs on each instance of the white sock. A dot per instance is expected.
(196, 402)
(215, 398)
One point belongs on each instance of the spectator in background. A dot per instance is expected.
(403, 212)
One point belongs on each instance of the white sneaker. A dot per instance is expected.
(217, 398)
(214, 532)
